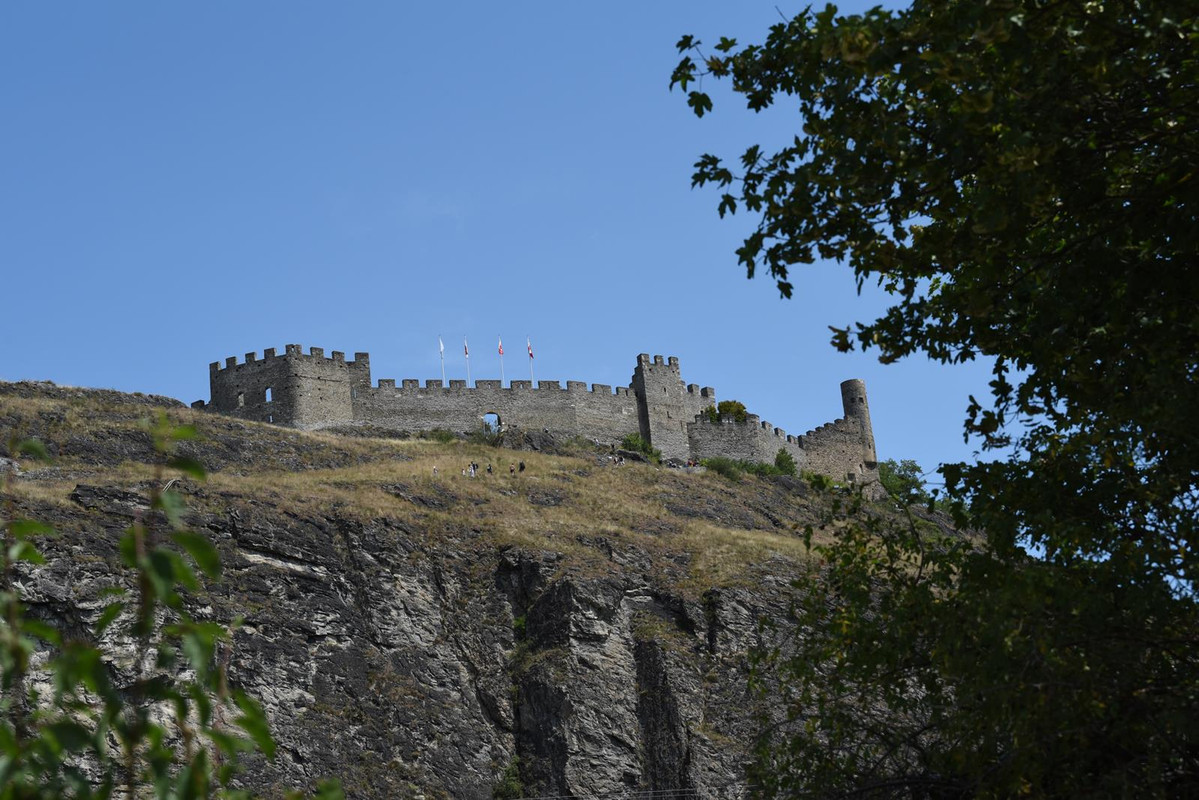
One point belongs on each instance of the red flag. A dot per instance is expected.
(465, 349)
(501, 346)
(530, 343)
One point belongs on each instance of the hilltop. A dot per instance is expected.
(417, 633)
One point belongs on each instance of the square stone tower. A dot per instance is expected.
(663, 405)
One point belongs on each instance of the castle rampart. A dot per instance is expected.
(311, 391)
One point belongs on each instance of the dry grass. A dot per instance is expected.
(51, 492)
(568, 504)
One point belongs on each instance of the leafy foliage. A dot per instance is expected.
(903, 480)
(724, 466)
(509, 785)
(734, 469)
(636, 444)
(784, 462)
(1019, 176)
(177, 729)
(728, 409)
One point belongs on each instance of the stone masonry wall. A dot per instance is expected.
(240, 390)
(835, 449)
(665, 405)
(842, 449)
(752, 440)
(597, 413)
(306, 391)
(310, 391)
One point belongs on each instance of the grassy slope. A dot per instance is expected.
(696, 530)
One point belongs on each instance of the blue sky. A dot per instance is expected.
(182, 182)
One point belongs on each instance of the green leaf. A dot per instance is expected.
(128, 548)
(184, 432)
(699, 102)
(41, 630)
(171, 504)
(108, 616)
(189, 466)
(22, 528)
(8, 739)
(171, 567)
(160, 569)
(67, 736)
(253, 721)
(199, 643)
(201, 550)
(228, 743)
(22, 550)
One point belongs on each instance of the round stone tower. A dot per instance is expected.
(853, 399)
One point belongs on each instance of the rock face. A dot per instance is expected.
(406, 671)
(423, 646)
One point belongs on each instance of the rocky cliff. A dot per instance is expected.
(415, 631)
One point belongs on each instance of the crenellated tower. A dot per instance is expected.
(302, 391)
(665, 405)
(311, 391)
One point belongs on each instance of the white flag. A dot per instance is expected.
(441, 345)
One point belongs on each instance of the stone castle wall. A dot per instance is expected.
(596, 413)
(311, 392)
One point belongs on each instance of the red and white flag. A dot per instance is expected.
(465, 349)
(501, 346)
(530, 343)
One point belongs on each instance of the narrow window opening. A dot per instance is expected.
(270, 417)
(268, 394)
(241, 399)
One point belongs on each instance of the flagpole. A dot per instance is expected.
(466, 350)
(501, 362)
(529, 342)
(441, 348)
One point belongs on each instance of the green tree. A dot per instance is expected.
(729, 409)
(904, 480)
(784, 462)
(1020, 176)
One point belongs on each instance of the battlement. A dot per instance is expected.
(315, 354)
(670, 362)
(491, 385)
(310, 390)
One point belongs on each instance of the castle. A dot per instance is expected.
(311, 391)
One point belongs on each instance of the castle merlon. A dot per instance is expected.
(291, 350)
(409, 384)
(311, 391)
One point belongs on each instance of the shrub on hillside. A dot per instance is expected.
(635, 443)
(785, 462)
